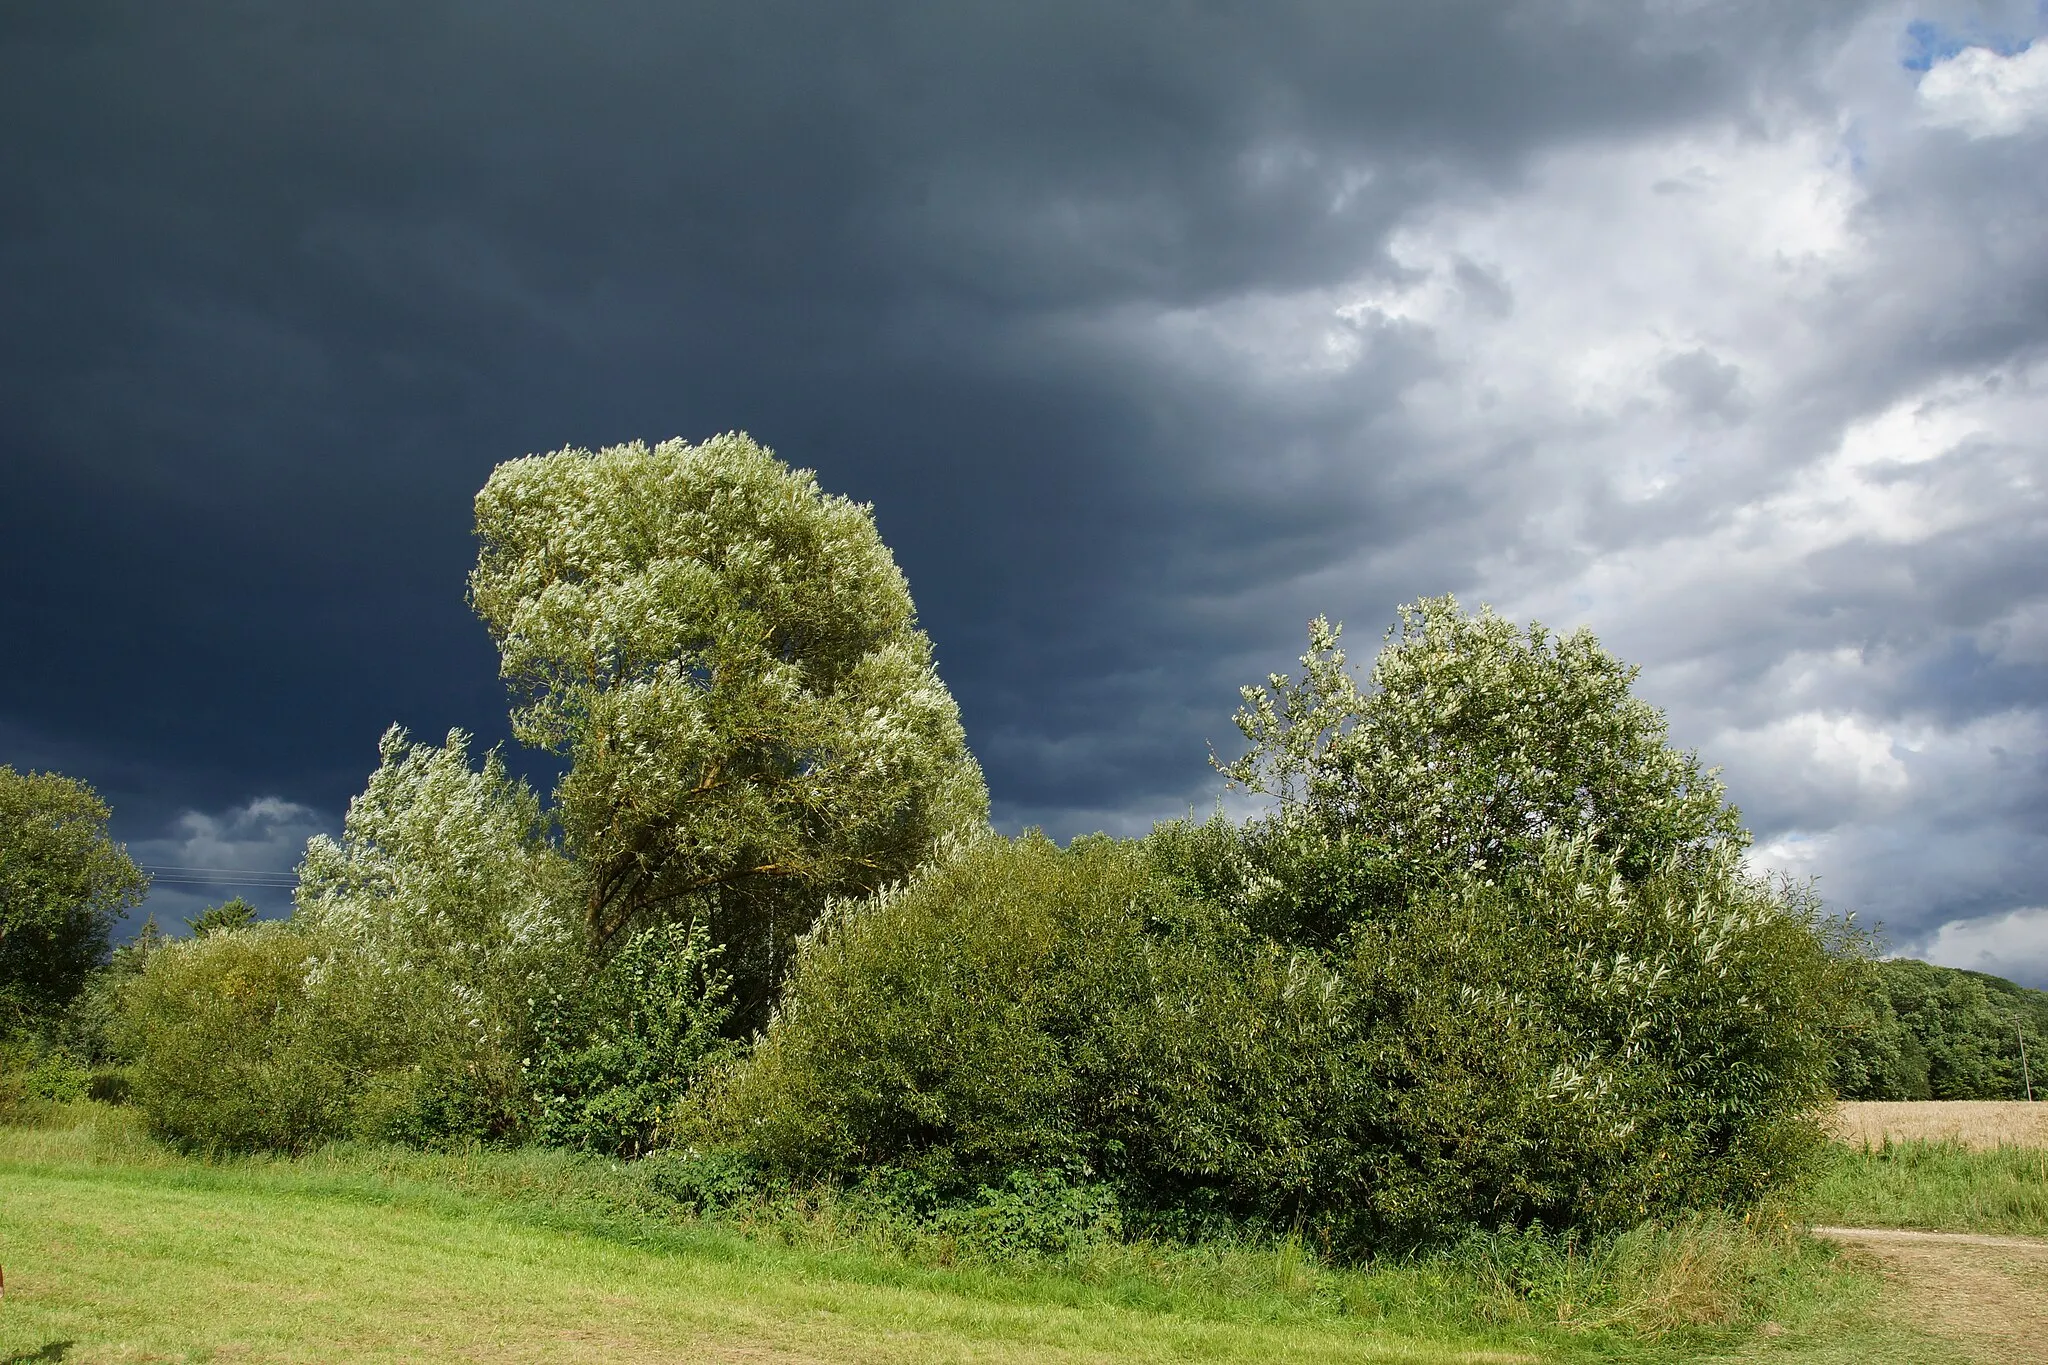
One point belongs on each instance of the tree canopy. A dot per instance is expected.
(63, 883)
(1946, 1034)
(731, 661)
(1473, 742)
(442, 868)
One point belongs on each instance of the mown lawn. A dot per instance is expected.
(116, 1250)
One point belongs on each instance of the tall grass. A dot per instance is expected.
(1944, 1186)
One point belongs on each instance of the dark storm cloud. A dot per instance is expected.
(1082, 297)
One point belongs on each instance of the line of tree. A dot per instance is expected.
(1942, 1033)
(1492, 957)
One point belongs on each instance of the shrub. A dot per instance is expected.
(614, 1055)
(1017, 1007)
(31, 1072)
(444, 906)
(395, 1003)
(1569, 1048)
(1562, 1048)
(274, 1037)
(226, 1058)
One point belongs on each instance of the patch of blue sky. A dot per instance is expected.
(1927, 41)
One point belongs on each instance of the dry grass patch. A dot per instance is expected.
(1988, 1294)
(1980, 1125)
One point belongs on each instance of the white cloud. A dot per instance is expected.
(2014, 944)
(266, 834)
(1844, 757)
(1985, 94)
(249, 850)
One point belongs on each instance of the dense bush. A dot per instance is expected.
(614, 1053)
(277, 1036)
(1493, 960)
(1016, 1007)
(1944, 1034)
(1569, 1047)
(1563, 1046)
(226, 1056)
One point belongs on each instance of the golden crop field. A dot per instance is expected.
(1981, 1125)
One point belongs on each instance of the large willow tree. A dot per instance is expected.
(730, 660)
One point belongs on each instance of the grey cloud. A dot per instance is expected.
(1112, 311)
(1707, 386)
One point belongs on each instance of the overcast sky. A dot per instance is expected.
(1150, 331)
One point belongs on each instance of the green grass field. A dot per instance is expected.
(118, 1250)
(1935, 1185)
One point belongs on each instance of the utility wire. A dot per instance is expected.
(250, 871)
(162, 874)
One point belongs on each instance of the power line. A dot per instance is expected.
(251, 871)
(165, 875)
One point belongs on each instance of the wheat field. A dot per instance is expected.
(1981, 1125)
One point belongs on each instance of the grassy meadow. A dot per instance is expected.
(118, 1249)
(1947, 1166)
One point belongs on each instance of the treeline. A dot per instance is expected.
(1941, 1033)
(1492, 958)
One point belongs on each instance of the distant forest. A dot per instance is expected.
(1941, 1033)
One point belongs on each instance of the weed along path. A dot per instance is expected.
(1989, 1294)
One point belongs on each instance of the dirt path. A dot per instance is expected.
(1988, 1294)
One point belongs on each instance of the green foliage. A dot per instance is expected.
(1473, 744)
(396, 1002)
(279, 1037)
(614, 1056)
(1563, 1047)
(444, 880)
(226, 1057)
(82, 1042)
(1940, 1033)
(32, 1072)
(1015, 1007)
(230, 914)
(1571, 1048)
(730, 658)
(1494, 962)
(87, 1027)
(63, 883)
